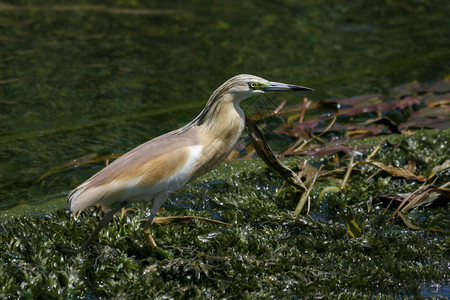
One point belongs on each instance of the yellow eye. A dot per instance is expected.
(253, 85)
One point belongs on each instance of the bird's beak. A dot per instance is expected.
(282, 87)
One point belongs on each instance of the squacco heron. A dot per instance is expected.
(153, 170)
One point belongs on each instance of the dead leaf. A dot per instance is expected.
(407, 222)
(307, 171)
(403, 103)
(405, 89)
(359, 110)
(82, 162)
(10, 80)
(303, 129)
(394, 171)
(183, 220)
(432, 112)
(267, 155)
(411, 165)
(433, 123)
(442, 167)
(305, 196)
(436, 87)
(353, 101)
(329, 151)
(437, 100)
(328, 189)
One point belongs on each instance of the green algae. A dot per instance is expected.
(82, 79)
(268, 251)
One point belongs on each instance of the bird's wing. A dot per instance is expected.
(142, 172)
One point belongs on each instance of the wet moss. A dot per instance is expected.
(267, 251)
(101, 79)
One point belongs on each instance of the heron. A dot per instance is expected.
(152, 171)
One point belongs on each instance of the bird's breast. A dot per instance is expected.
(217, 141)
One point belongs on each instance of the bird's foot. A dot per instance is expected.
(158, 250)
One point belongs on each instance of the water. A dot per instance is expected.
(82, 79)
(78, 79)
(436, 290)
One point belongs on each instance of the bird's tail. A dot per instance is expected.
(83, 197)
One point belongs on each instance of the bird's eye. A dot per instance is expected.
(253, 85)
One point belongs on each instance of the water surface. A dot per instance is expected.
(77, 79)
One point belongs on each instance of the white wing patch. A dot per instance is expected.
(178, 180)
(130, 191)
(182, 177)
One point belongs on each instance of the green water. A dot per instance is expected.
(78, 78)
(87, 78)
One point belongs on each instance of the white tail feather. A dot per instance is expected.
(82, 197)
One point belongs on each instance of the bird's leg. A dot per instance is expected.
(148, 233)
(106, 218)
(157, 203)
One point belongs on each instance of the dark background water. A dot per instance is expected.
(79, 78)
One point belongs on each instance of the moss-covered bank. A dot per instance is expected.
(267, 251)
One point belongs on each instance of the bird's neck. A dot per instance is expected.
(224, 122)
(219, 133)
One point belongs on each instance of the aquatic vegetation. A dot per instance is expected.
(333, 231)
(268, 251)
(82, 83)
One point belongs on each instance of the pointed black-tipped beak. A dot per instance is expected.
(283, 87)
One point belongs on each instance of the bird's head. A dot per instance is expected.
(243, 86)
(236, 89)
